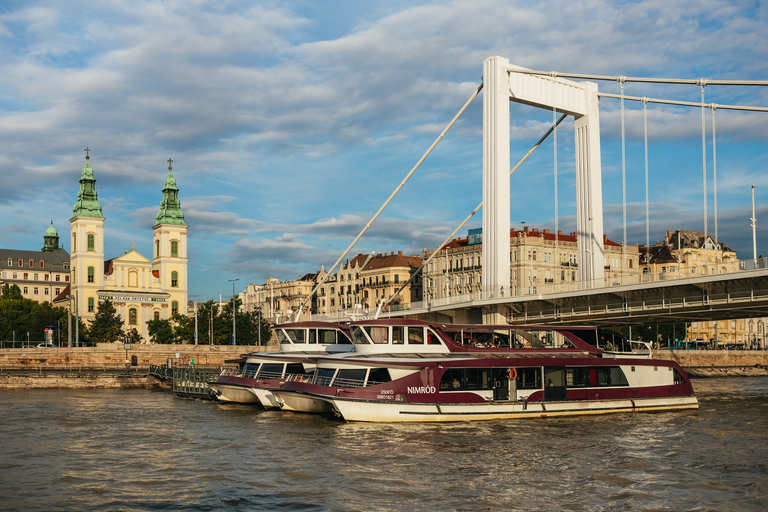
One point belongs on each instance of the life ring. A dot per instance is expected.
(512, 374)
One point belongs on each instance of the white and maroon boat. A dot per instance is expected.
(411, 371)
(300, 345)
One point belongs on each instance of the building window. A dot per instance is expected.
(74, 242)
(42, 264)
(174, 307)
(397, 278)
(58, 277)
(157, 315)
(66, 278)
(10, 262)
(31, 263)
(21, 263)
(90, 304)
(26, 276)
(35, 290)
(90, 274)
(36, 277)
(174, 249)
(45, 277)
(26, 290)
(157, 248)
(91, 242)
(132, 316)
(174, 279)
(45, 291)
(58, 291)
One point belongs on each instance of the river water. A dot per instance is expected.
(149, 450)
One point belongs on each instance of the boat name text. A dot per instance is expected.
(422, 389)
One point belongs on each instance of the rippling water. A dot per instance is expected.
(148, 450)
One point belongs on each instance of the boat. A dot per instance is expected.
(300, 344)
(413, 371)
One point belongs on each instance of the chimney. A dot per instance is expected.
(559, 231)
(605, 238)
(525, 229)
(546, 231)
(669, 236)
(399, 253)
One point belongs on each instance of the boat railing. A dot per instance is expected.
(269, 375)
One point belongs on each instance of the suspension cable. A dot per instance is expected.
(391, 196)
(704, 158)
(647, 210)
(684, 103)
(714, 170)
(623, 169)
(557, 214)
(450, 237)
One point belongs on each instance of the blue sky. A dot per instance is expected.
(289, 123)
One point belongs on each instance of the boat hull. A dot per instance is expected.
(265, 397)
(302, 402)
(376, 411)
(233, 393)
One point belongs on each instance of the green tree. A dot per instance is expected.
(11, 292)
(136, 337)
(107, 326)
(161, 331)
(183, 328)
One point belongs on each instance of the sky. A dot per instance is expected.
(290, 122)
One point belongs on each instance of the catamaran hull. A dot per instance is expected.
(300, 402)
(266, 397)
(374, 411)
(233, 393)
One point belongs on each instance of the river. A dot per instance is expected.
(149, 450)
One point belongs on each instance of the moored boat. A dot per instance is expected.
(300, 344)
(487, 372)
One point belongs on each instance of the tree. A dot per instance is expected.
(135, 336)
(183, 328)
(161, 331)
(107, 326)
(11, 292)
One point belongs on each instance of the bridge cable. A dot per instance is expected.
(714, 170)
(678, 81)
(702, 84)
(557, 214)
(450, 237)
(623, 172)
(684, 103)
(391, 196)
(647, 215)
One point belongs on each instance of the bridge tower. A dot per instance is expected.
(502, 83)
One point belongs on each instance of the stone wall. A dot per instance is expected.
(113, 355)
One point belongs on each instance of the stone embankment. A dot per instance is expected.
(108, 365)
(718, 363)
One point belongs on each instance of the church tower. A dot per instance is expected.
(87, 255)
(170, 247)
(50, 239)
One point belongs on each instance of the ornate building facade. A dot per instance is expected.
(141, 289)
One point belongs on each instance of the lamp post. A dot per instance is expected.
(234, 311)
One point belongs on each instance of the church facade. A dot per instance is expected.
(140, 288)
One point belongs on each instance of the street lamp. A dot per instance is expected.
(234, 312)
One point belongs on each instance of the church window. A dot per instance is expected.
(157, 248)
(91, 242)
(74, 242)
(157, 315)
(132, 316)
(90, 304)
(90, 274)
(174, 249)
(174, 279)
(174, 307)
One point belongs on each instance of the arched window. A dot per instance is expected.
(157, 315)
(90, 274)
(157, 248)
(91, 242)
(174, 249)
(132, 316)
(174, 307)
(74, 242)
(174, 279)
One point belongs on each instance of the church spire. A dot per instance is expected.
(170, 208)
(87, 204)
(50, 239)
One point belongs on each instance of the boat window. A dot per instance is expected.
(296, 335)
(295, 369)
(398, 335)
(350, 378)
(378, 376)
(529, 378)
(250, 370)
(379, 335)
(312, 336)
(359, 337)
(678, 378)
(271, 371)
(415, 335)
(323, 376)
(459, 379)
(432, 337)
(326, 336)
(592, 377)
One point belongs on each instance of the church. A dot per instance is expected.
(140, 289)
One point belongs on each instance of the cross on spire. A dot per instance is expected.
(87, 150)
(169, 164)
(132, 245)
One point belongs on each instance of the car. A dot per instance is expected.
(47, 345)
